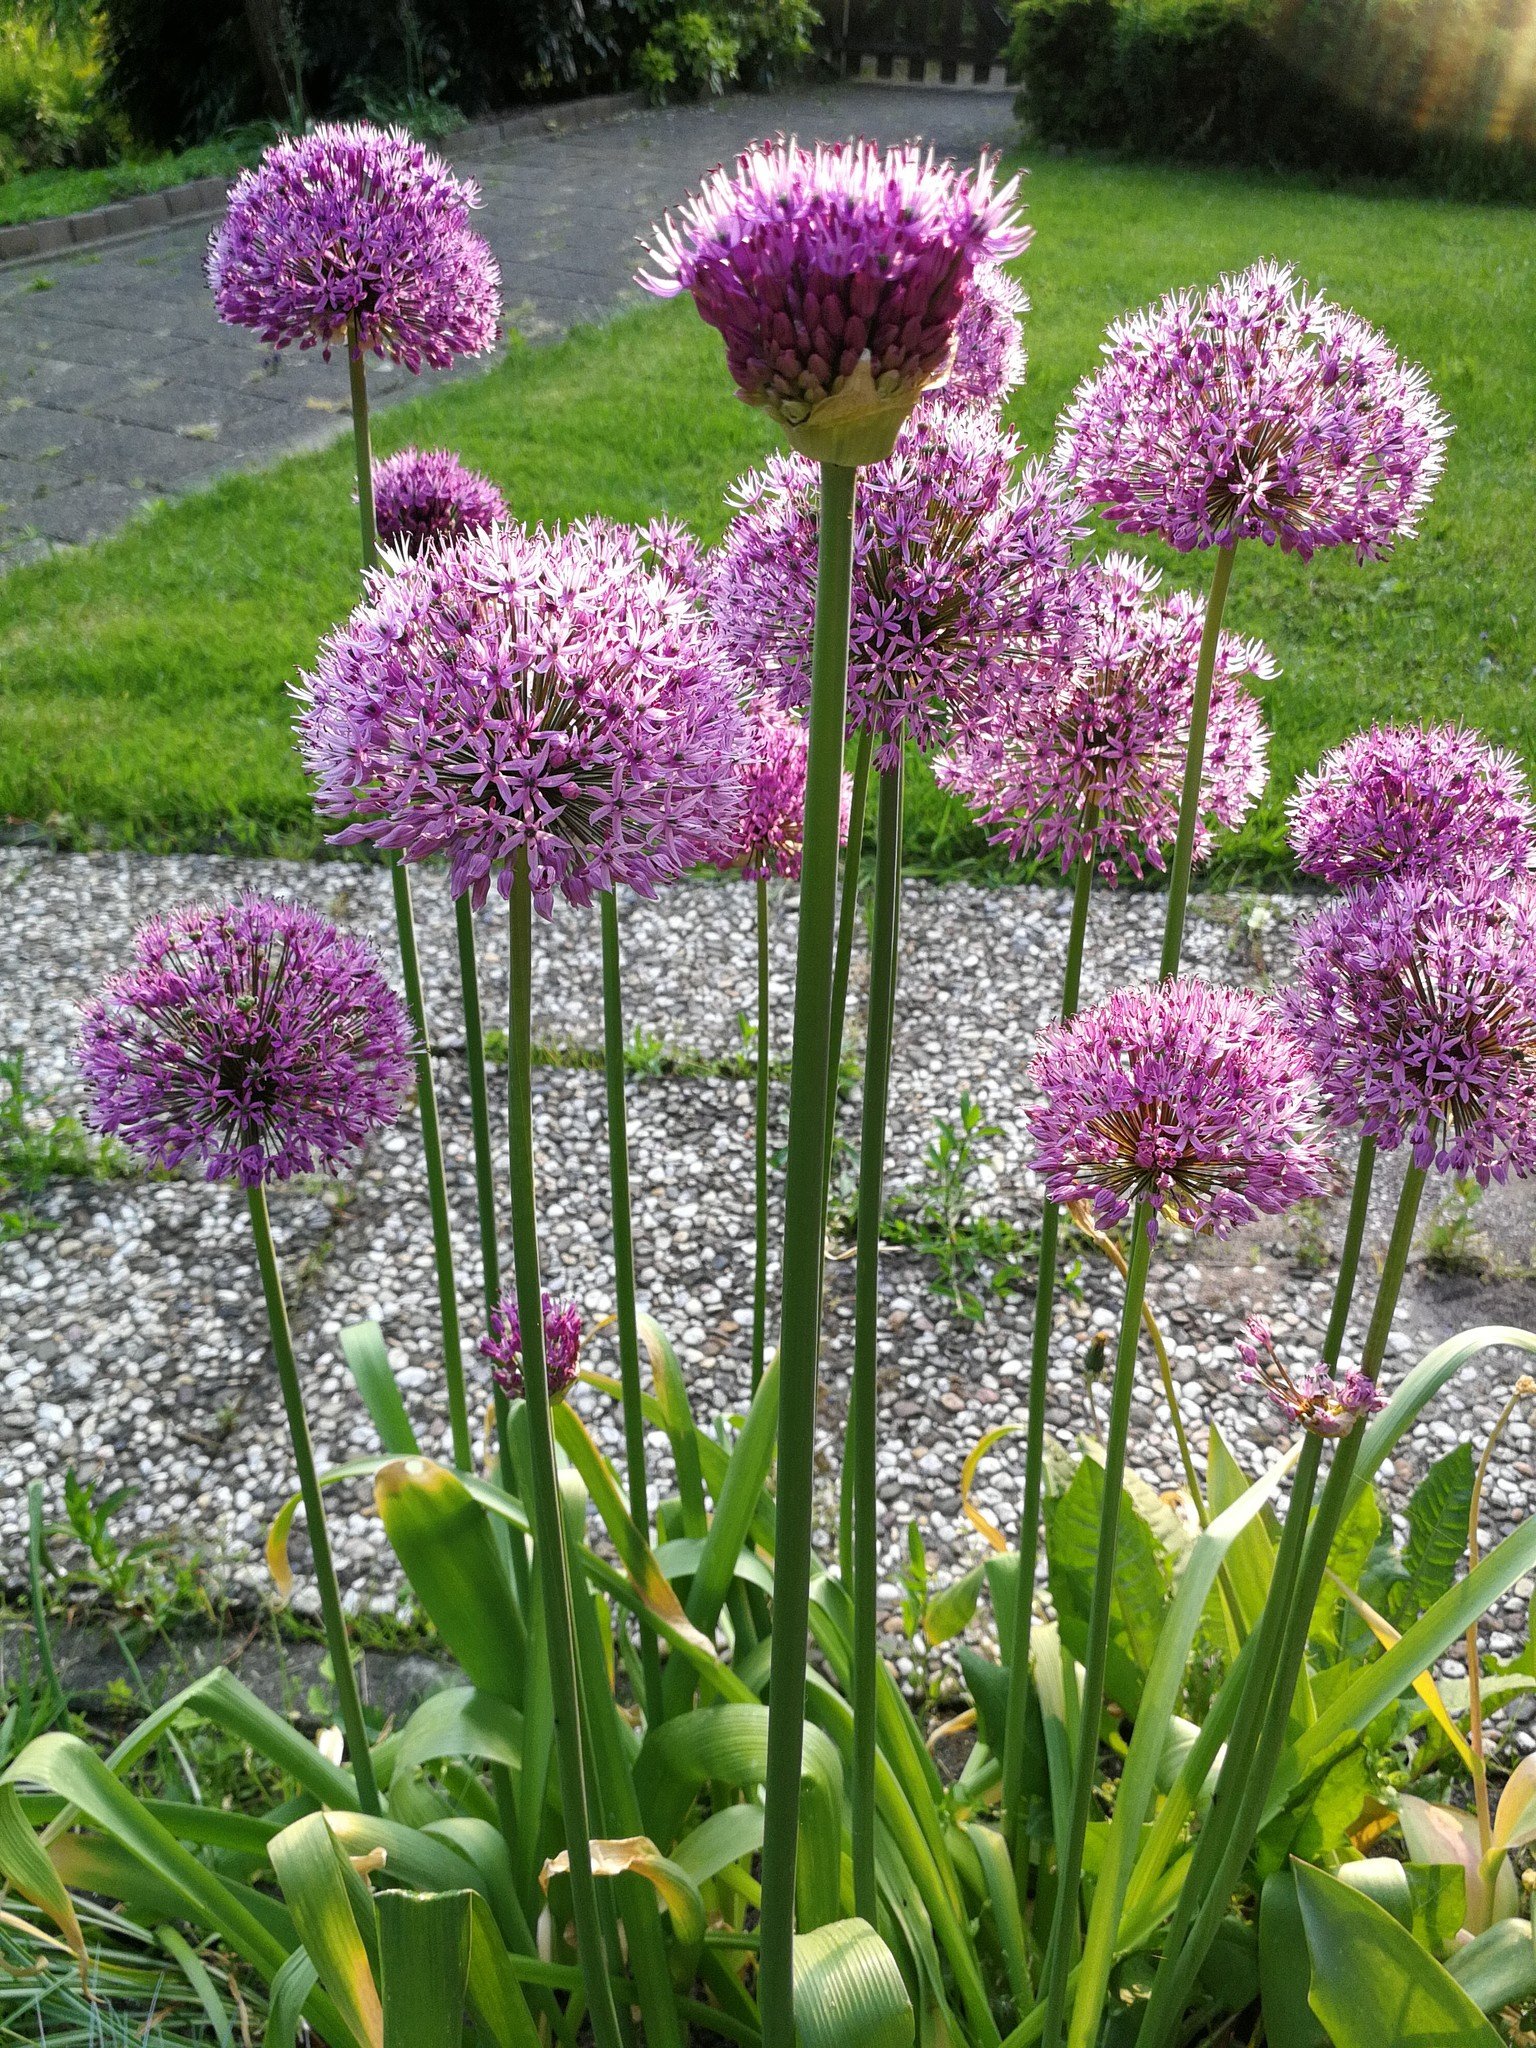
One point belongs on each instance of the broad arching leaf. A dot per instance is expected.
(848, 1989)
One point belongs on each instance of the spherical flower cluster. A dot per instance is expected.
(836, 277)
(1424, 800)
(1417, 1004)
(1321, 1403)
(420, 497)
(1089, 765)
(962, 577)
(1189, 1098)
(1256, 411)
(252, 1041)
(767, 835)
(989, 341)
(562, 1346)
(356, 223)
(550, 696)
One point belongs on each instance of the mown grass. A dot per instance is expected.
(143, 680)
(38, 195)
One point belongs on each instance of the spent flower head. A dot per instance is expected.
(421, 496)
(550, 695)
(1255, 411)
(503, 1346)
(836, 277)
(1417, 1004)
(1317, 1399)
(1432, 800)
(1089, 764)
(356, 223)
(962, 577)
(1188, 1097)
(252, 1041)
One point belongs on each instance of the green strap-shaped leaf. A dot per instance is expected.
(290, 1988)
(1250, 1562)
(732, 1834)
(1003, 1903)
(848, 1989)
(315, 1879)
(1285, 1976)
(1372, 1983)
(1499, 1967)
(204, 1989)
(677, 1420)
(1418, 1388)
(494, 1991)
(448, 1551)
(24, 1863)
(460, 1721)
(424, 1967)
(363, 1347)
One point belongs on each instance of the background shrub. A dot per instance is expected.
(50, 69)
(1431, 90)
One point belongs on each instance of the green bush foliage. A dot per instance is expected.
(1376, 88)
(50, 109)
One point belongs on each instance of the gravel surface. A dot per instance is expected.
(131, 1335)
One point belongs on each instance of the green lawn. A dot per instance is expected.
(144, 679)
(38, 195)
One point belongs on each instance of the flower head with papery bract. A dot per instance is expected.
(1417, 1004)
(1257, 411)
(989, 341)
(562, 1346)
(767, 836)
(1320, 1402)
(252, 1041)
(1090, 764)
(1413, 800)
(357, 223)
(550, 694)
(1188, 1097)
(962, 577)
(836, 277)
(420, 497)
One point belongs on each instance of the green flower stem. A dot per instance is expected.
(548, 1522)
(1257, 1771)
(885, 940)
(1194, 765)
(847, 924)
(1058, 1962)
(624, 1269)
(760, 1149)
(804, 1247)
(358, 1755)
(1034, 1455)
(1349, 1256)
(479, 1102)
(415, 995)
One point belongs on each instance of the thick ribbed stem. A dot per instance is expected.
(760, 1149)
(847, 924)
(415, 994)
(345, 1679)
(885, 940)
(1194, 765)
(624, 1269)
(804, 1242)
(548, 1522)
(1091, 1709)
(1034, 1454)
(1349, 1255)
(485, 1162)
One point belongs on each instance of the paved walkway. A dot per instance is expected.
(118, 385)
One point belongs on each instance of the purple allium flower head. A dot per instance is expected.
(1320, 1402)
(562, 1346)
(767, 835)
(419, 497)
(1090, 764)
(1417, 1004)
(252, 1041)
(1413, 799)
(1257, 411)
(962, 575)
(836, 277)
(1192, 1098)
(989, 341)
(356, 222)
(546, 693)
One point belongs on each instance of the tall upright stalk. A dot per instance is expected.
(804, 1244)
(548, 1521)
(847, 924)
(345, 1679)
(760, 1149)
(415, 994)
(624, 1268)
(1058, 1962)
(1194, 766)
(884, 948)
(1034, 1455)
